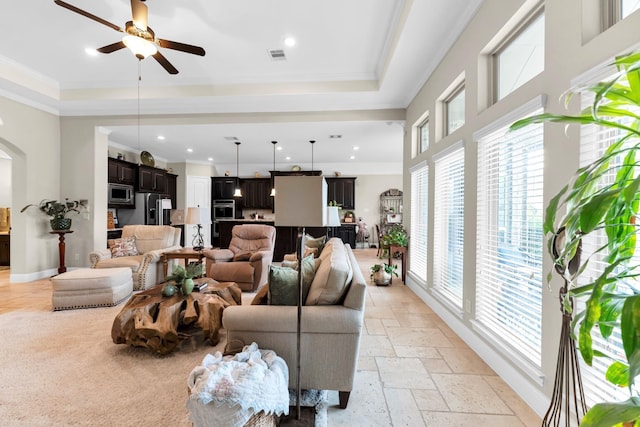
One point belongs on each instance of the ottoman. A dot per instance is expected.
(91, 287)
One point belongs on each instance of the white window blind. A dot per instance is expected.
(419, 216)
(594, 140)
(509, 238)
(448, 225)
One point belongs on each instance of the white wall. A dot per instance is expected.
(566, 57)
(368, 189)
(32, 139)
(5, 182)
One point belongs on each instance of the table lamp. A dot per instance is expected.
(198, 216)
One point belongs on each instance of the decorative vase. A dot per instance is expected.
(381, 277)
(60, 223)
(168, 290)
(187, 286)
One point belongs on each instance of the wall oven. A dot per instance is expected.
(222, 209)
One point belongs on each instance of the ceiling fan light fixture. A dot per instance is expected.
(140, 47)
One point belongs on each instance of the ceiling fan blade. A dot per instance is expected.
(165, 63)
(111, 47)
(140, 13)
(88, 15)
(196, 50)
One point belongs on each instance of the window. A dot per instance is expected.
(423, 136)
(454, 110)
(594, 140)
(419, 214)
(614, 11)
(509, 237)
(520, 58)
(448, 228)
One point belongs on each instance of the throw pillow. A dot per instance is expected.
(242, 256)
(315, 242)
(283, 282)
(123, 247)
(283, 286)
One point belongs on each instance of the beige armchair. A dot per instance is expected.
(150, 241)
(247, 259)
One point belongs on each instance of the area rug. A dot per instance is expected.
(61, 369)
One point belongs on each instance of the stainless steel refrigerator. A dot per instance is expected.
(146, 212)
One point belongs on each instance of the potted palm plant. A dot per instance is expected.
(182, 278)
(58, 211)
(604, 198)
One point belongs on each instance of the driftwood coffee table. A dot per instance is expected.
(159, 323)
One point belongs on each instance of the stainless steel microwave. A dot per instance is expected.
(121, 195)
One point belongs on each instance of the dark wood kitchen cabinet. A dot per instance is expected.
(151, 180)
(343, 191)
(256, 193)
(5, 249)
(223, 187)
(121, 172)
(172, 188)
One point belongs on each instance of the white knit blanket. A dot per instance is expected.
(227, 391)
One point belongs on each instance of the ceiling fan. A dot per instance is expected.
(139, 37)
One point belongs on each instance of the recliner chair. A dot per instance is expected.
(247, 259)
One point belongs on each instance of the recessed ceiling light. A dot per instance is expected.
(210, 159)
(356, 148)
(287, 158)
(160, 137)
(290, 41)
(352, 157)
(90, 51)
(279, 148)
(189, 150)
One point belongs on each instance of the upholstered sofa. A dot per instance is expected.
(332, 320)
(247, 259)
(143, 247)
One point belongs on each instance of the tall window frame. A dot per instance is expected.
(418, 235)
(525, 30)
(423, 135)
(509, 237)
(457, 97)
(614, 11)
(448, 219)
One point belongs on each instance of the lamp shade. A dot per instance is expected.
(198, 216)
(300, 201)
(333, 219)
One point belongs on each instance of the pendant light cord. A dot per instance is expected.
(139, 79)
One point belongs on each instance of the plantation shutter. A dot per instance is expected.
(448, 228)
(509, 237)
(419, 216)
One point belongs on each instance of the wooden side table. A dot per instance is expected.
(61, 248)
(403, 254)
(184, 254)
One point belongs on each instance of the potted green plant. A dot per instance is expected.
(182, 278)
(604, 198)
(58, 211)
(381, 273)
(396, 235)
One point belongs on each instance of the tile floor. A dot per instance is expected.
(413, 370)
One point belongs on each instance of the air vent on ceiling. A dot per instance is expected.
(277, 54)
(231, 138)
(335, 136)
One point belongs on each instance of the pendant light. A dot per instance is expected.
(273, 189)
(237, 193)
(312, 142)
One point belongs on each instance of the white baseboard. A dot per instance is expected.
(30, 277)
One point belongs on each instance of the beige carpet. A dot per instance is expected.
(61, 369)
